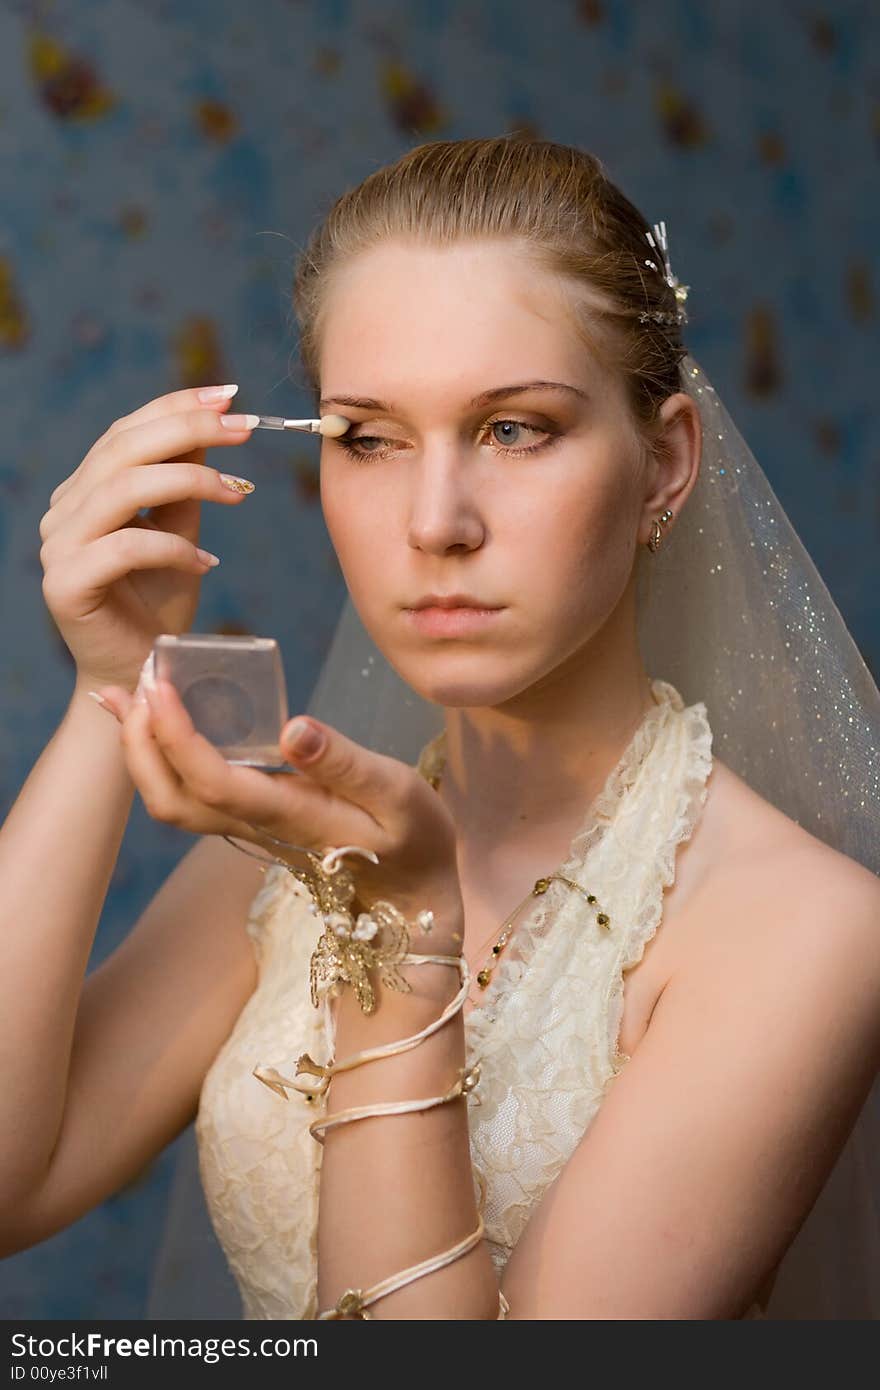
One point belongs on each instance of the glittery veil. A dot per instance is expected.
(733, 612)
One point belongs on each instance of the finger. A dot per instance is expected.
(371, 780)
(117, 699)
(199, 764)
(159, 785)
(292, 808)
(164, 794)
(155, 442)
(174, 403)
(114, 503)
(73, 587)
(195, 760)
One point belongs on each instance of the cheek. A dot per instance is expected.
(581, 555)
(346, 510)
(353, 515)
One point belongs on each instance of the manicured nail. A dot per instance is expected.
(216, 393)
(301, 738)
(236, 484)
(102, 702)
(206, 557)
(239, 422)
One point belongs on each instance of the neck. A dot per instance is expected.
(523, 772)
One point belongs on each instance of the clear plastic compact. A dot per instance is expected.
(233, 689)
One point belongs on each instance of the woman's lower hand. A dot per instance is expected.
(347, 795)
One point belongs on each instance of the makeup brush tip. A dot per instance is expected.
(333, 426)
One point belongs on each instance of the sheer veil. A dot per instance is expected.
(733, 612)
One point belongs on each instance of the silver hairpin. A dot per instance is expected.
(661, 246)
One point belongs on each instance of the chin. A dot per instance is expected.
(463, 680)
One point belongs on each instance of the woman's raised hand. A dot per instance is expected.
(114, 580)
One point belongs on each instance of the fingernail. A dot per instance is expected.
(236, 484)
(303, 738)
(216, 393)
(206, 556)
(145, 678)
(239, 422)
(102, 702)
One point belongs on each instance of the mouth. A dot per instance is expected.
(436, 621)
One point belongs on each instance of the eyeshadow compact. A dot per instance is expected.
(233, 689)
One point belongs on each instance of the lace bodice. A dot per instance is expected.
(546, 1031)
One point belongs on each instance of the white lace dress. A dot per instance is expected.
(546, 1030)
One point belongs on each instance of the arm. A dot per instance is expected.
(397, 1189)
(681, 1197)
(715, 1140)
(58, 847)
(101, 1075)
(351, 796)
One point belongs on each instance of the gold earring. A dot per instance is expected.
(656, 533)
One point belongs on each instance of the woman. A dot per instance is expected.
(651, 1114)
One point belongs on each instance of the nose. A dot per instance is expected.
(443, 515)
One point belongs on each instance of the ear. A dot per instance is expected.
(674, 460)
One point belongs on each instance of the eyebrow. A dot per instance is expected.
(484, 398)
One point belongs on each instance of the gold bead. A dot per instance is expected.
(470, 1078)
(350, 1304)
(483, 978)
(541, 885)
(591, 897)
(496, 949)
(602, 919)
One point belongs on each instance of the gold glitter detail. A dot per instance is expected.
(234, 484)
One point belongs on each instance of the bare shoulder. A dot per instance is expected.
(762, 887)
(751, 881)
(749, 838)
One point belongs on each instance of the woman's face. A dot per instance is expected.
(529, 502)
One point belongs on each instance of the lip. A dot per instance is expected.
(434, 621)
(451, 601)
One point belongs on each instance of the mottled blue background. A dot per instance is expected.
(160, 164)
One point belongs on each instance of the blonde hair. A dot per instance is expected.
(557, 202)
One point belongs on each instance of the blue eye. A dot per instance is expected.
(517, 425)
(551, 437)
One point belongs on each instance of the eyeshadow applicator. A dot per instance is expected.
(331, 426)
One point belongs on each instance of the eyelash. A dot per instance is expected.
(349, 445)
